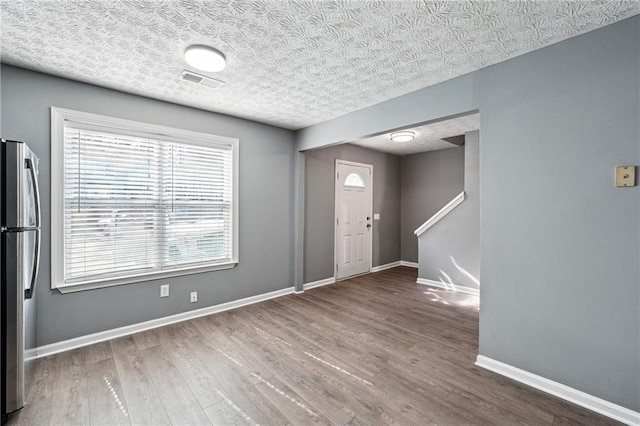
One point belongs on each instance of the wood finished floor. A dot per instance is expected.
(376, 349)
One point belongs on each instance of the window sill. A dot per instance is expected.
(92, 285)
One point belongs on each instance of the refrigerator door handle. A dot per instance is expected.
(28, 293)
(36, 188)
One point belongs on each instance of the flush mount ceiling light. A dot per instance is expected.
(205, 58)
(404, 136)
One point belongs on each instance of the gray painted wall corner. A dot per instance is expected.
(298, 217)
(449, 251)
(429, 180)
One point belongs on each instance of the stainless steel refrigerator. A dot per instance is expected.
(19, 260)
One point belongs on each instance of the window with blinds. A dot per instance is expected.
(141, 205)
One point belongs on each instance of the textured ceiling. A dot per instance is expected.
(427, 137)
(290, 63)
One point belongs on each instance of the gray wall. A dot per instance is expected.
(266, 202)
(560, 245)
(319, 207)
(429, 180)
(450, 250)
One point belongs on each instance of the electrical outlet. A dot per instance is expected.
(194, 296)
(164, 290)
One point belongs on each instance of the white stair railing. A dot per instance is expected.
(440, 214)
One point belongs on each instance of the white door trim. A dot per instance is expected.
(335, 211)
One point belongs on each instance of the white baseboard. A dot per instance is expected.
(101, 336)
(393, 265)
(319, 283)
(567, 393)
(450, 287)
(385, 266)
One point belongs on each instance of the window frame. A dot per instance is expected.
(58, 118)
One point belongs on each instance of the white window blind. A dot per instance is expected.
(137, 205)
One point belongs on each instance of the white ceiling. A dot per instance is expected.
(290, 63)
(427, 137)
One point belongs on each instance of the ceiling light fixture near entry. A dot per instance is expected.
(405, 136)
(205, 58)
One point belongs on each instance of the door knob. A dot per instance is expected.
(368, 225)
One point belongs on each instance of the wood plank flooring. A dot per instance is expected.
(377, 349)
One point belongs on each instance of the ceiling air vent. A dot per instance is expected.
(200, 79)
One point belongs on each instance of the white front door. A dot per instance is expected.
(353, 218)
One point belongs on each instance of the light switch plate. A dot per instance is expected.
(376, 216)
(625, 176)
